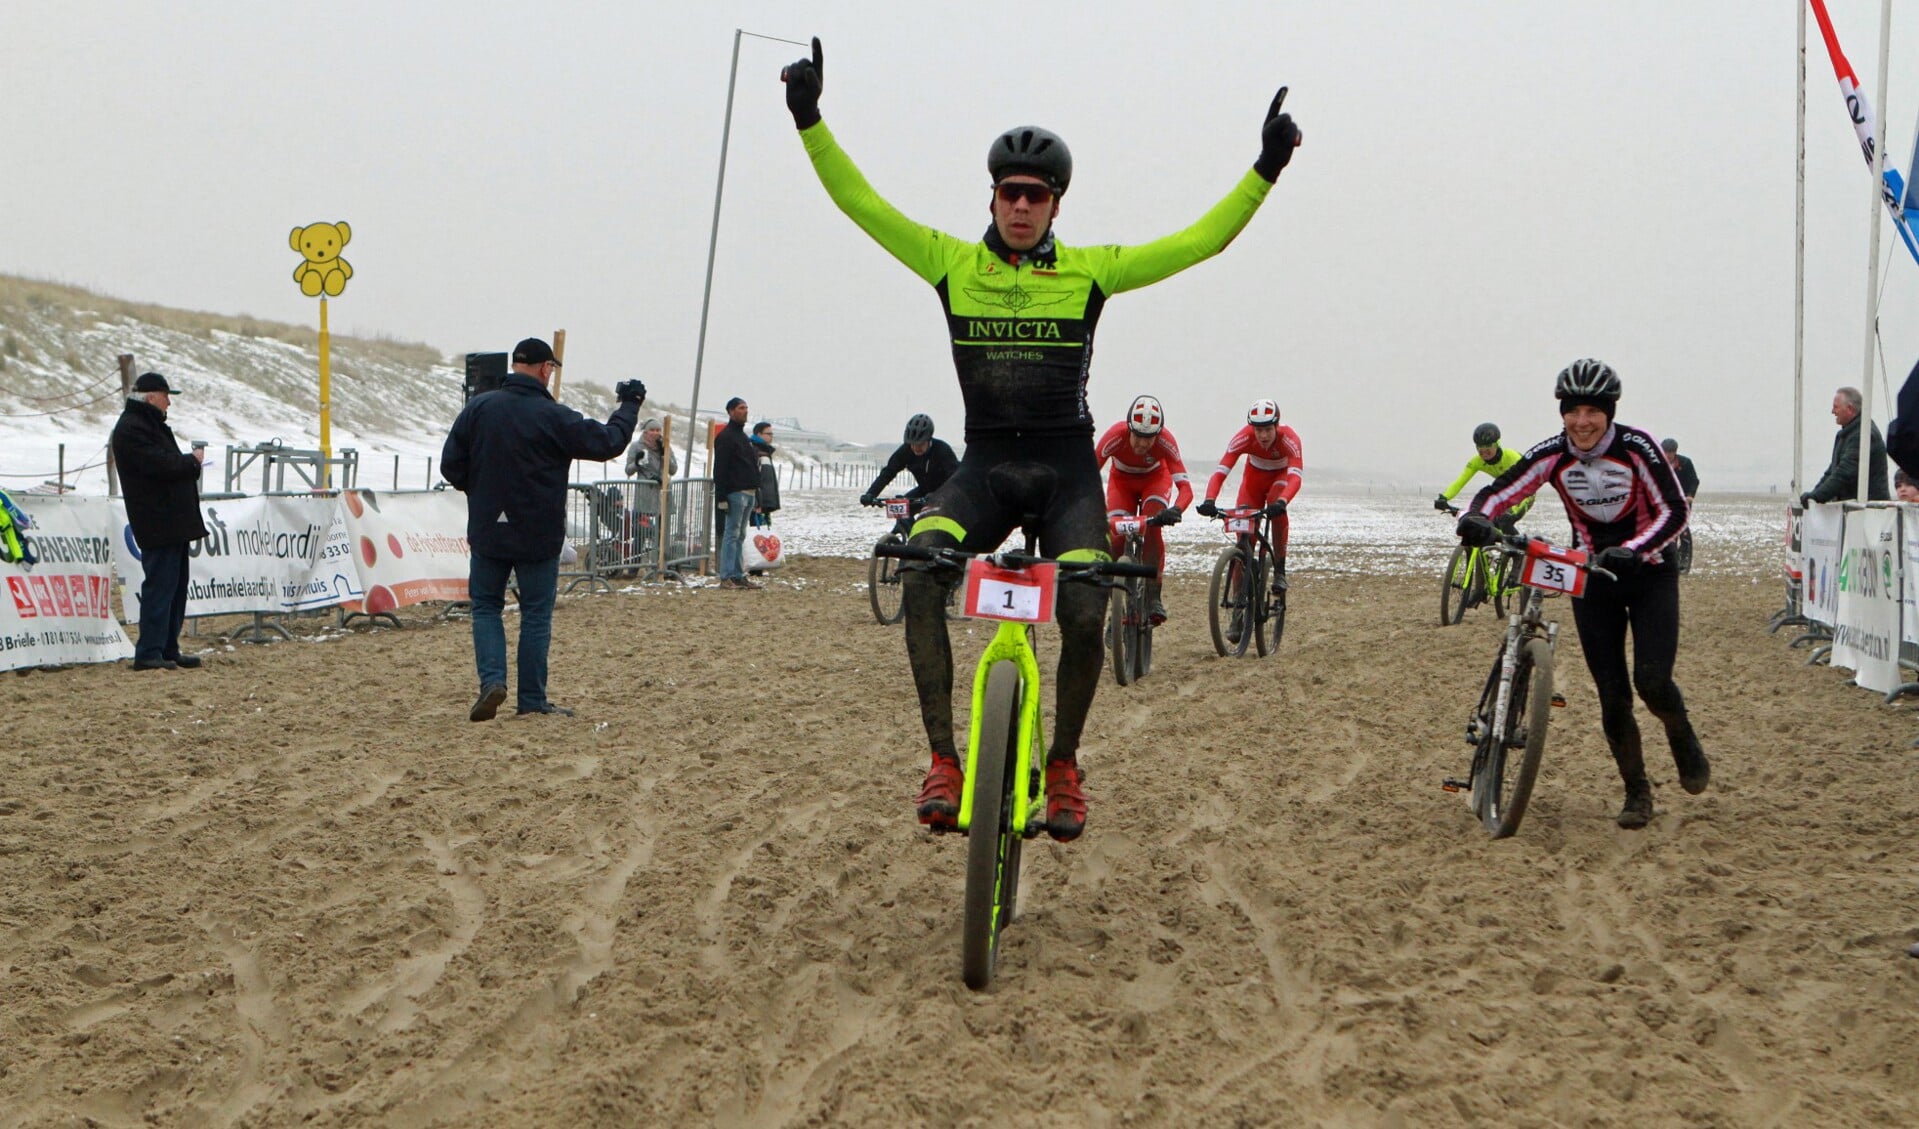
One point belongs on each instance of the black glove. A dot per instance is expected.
(1805, 500)
(1276, 508)
(869, 500)
(1614, 559)
(1206, 508)
(1277, 140)
(1476, 530)
(1167, 516)
(803, 80)
(1442, 503)
(630, 392)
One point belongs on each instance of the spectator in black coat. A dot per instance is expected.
(1840, 483)
(509, 451)
(736, 486)
(162, 488)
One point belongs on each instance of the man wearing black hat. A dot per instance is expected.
(736, 483)
(162, 489)
(509, 451)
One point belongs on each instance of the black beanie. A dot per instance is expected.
(1605, 404)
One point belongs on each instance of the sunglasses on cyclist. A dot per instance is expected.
(1013, 191)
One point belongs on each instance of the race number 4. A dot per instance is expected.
(1023, 595)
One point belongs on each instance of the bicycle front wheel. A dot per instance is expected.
(1452, 587)
(992, 842)
(1522, 740)
(1227, 611)
(883, 582)
(1274, 629)
(1121, 610)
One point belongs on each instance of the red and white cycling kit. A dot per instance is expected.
(1143, 484)
(1271, 473)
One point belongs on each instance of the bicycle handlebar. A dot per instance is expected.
(1517, 544)
(1069, 570)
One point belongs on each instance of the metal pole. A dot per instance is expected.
(1799, 280)
(1872, 287)
(326, 400)
(712, 245)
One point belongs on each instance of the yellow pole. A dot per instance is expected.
(326, 400)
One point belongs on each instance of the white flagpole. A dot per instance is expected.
(1799, 280)
(1872, 287)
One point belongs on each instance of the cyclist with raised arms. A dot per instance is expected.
(1492, 460)
(930, 461)
(1021, 307)
(1627, 509)
(1274, 473)
(1149, 479)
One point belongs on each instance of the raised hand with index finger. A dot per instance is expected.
(1278, 137)
(804, 79)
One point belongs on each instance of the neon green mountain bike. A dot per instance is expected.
(1003, 803)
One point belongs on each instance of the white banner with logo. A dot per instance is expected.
(1865, 635)
(1909, 541)
(408, 548)
(269, 554)
(1819, 532)
(60, 609)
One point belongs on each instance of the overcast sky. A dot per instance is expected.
(1487, 190)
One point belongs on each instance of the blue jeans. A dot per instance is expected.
(486, 587)
(163, 603)
(739, 507)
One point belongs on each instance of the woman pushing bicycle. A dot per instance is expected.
(1491, 459)
(1626, 508)
(1020, 308)
(1148, 479)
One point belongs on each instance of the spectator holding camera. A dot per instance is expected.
(509, 452)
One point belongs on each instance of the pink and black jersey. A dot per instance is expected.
(1623, 493)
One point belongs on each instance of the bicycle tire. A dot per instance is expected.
(992, 843)
(1514, 765)
(1452, 588)
(1229, 574)
(1143, 648)
(1506, 588)
(883, 588)
(1119, 633)
(1258, 596)
(1275, 628)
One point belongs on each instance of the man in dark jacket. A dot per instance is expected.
(162, 488)
(930, 461)
(509, 451)
(1840, 483)
(736, 483)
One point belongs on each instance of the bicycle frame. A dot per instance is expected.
(1009, 644)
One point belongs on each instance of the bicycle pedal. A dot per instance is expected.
(1451, 785)
(1559, 701)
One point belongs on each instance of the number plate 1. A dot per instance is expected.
(1023, 595)
(1554, 570)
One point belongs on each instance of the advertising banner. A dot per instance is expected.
(1819, 537)
(261, 554)
(1909, 541)
(1865, 635)
(60, 609)
(409, 547)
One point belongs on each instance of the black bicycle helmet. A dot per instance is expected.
(1587, 379)
(1486, 435)
(1033, 151)
(919, 429)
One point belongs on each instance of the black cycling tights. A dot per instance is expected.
(1646, 598)
(996, 486)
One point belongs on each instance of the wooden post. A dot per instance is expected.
(126, 389)
(665, 515)
(559, 354)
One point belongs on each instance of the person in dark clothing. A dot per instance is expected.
(736, 484)
(1840, 483)
(162, 488)
(930, 461)
(769, 495)
(1902, 434)
(1689, 486)
(509, 452)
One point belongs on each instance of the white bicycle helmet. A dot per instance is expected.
(1145, 417)
(1262, 413)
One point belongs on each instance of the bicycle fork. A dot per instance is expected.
(1009, 644)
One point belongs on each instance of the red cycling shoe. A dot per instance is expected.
(939, 798)
(1065, 803)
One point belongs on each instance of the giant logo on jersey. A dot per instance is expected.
(1601, 488)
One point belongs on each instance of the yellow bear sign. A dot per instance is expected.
(321, 268)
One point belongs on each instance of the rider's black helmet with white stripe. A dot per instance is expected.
(1587, 379)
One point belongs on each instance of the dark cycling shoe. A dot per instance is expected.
(1638, 810)
(488, 703)
(939, 798)
(1156, 612)
(1695, 771)
(1065, 803)
(547, 708)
